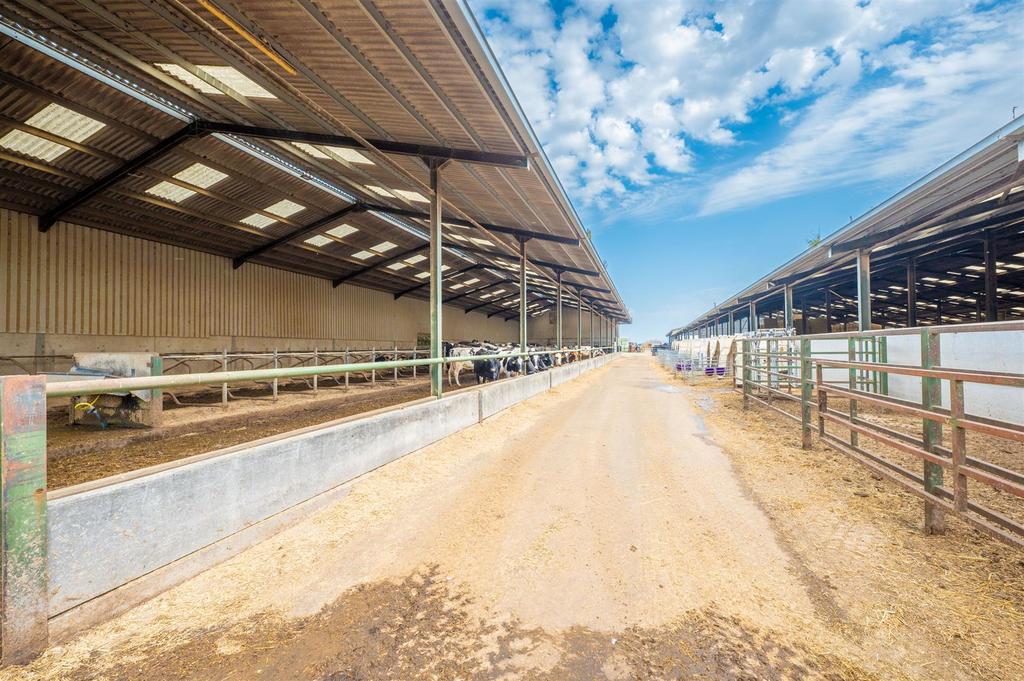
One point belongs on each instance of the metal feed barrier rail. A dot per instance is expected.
(772, 371)
(222, 362)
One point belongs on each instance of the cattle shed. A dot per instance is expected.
(948, 249)
(283, 210)
(193, 176)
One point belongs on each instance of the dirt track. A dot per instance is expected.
(593, 532)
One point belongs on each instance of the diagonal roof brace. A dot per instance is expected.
(377, 265)
(456, 273)
(490, 158)
(500, 229)
(190, 131)
(297, 233)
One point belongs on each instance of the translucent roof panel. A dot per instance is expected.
(54, 119)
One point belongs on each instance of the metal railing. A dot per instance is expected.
(165, 382)
(776, 372)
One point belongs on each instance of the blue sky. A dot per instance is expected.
(705, 141)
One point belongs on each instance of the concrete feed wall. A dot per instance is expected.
(155, 518)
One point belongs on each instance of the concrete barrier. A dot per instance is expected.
(188, 515)
(496, 397)
(147, 522)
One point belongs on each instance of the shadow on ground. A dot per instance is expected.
(421, 628)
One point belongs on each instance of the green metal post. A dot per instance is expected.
(747, 372)
(436, 325)
(579, 318)
(156, 396)
(851, 352)
(24, 599)
(931, 398)
(864, 289)
(806, 388)
(883, 358)
(558, 308)
(522, 298)
(787, 304)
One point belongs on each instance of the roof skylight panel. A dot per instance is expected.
(415, 259)
(397, 266)
(423, 275)
(380, 191)
(342, 231)
(363, 255)
(412, 196)
(471, 281)
(237, 82)
(456, 287)
(481, 242)
(319, 240)
(383, 247)
(311, 150)
(350, 155)
(54, 119)
(283, 208)
(197, 174)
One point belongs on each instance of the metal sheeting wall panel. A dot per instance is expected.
(75, 280)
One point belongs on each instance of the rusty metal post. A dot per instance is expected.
(806, 388)
(373, 372)
(24, 573)
(958, 437)
(414, 357)
(396, 359)
(345, 361)
(822, 399)
(851, 353)
(931, 398)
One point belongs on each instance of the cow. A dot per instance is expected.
(456, 368)
(486, 370)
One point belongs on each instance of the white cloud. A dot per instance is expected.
(861, 88)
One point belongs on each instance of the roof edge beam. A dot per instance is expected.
(490, 158)
(48, 219)
(296, 234)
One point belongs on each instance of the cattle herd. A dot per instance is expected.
(511, 364)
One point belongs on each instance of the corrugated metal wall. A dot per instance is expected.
(80, 281)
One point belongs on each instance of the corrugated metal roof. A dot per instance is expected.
(413, 71)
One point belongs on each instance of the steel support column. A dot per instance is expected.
(436, 300)
(912, 291)
(991, 309)
(558, 314)
(591, 326)
(522, 297)
(864, 289)
(732, 323)
(753, 316)
(579, 317)
(787, 303)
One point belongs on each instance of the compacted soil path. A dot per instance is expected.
(595, 531)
